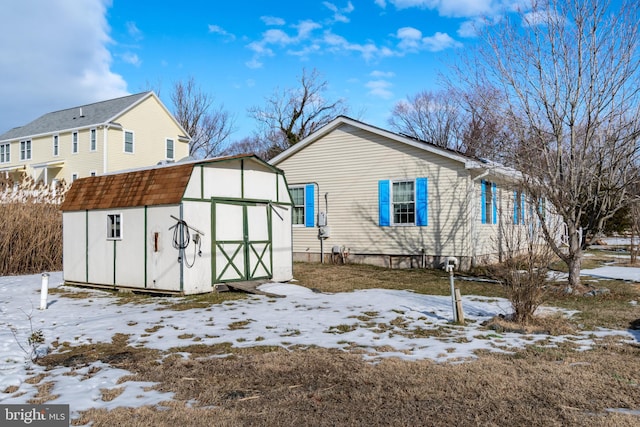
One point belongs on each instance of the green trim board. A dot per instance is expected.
(86, 245)
(243, 258)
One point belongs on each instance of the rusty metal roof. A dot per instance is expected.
(163, 185)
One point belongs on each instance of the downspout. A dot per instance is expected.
(474, 228)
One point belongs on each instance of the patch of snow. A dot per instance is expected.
(303, 318)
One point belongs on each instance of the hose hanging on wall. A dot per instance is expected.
(182, 238)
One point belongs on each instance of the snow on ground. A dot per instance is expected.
(303, 318)
(614, 272)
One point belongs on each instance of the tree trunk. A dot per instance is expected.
(574, 257)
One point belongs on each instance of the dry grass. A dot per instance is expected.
(263, 385)
(346, 278)
(31, 228)
(329, 387)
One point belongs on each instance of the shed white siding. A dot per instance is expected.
(228, 207)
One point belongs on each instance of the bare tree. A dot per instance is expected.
(568, 73)
(292, 114)
(434, 117)
(459, 120)
(208, 126)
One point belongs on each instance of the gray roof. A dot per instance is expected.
(92, 114)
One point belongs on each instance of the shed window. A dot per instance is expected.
(114, 226)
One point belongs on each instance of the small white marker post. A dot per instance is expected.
(43, 291)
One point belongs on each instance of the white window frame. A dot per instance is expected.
(5, 152)
(173, 148)
(93, 173)
(303, 206)
(93, 139)
(75, 138)
(392, 203)
(25, 149)
(124, 141)
(56, 145)
(114, 232)
(74, 176)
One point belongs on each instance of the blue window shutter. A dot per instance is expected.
(494, 202)
(522, 205)
(483, 202)
(421, 202)
(383, 203)
(309, 206)
(515, 207)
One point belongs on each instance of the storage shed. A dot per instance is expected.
(179, 228)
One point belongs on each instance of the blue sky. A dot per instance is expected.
(62, 53)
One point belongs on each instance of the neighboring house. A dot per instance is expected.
(94, 139)
(392, 200)
(179, 228)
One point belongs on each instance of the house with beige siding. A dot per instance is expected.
(378, 197)
(123, 133)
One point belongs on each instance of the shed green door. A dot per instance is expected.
(242, 241)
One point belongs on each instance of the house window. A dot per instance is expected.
(92, 173)
(297, 194)
(518, 207)
(488, 202)
(114, 226)
(403, 202)
(128, 142)
(25, 150)
(56, 145)
(5, 153)
(74, 176)
(74, 142)
(170, 149)
(93, 143)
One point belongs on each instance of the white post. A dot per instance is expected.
(453, 294)
(43, 291)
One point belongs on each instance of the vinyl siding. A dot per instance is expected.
(149, 121)
(151, 126)
(348, 163)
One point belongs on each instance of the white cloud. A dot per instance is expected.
(379, 89)
(134, 31)
(272, 20)
(381, 3)
(382, 74)
(54, 55)
(460, 8)
(216, 29)
(439, 41)
(339, 14)
(131, 58)
(411, 39)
